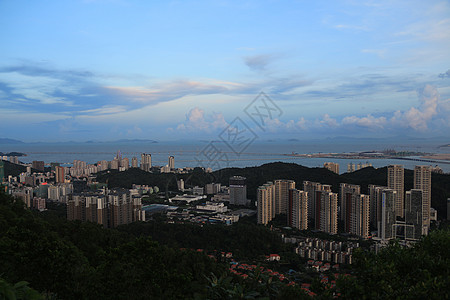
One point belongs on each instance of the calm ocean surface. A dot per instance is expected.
(218, 155)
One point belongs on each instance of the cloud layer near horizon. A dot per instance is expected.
(350, 68)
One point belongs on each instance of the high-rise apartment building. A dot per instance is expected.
(146, 162)
(238, 190)
(59, 174)
(265, 197)
(282, 188)
(180, 185)
(298, 209)
(171, 162)
(311, 188)
(359, 216)
(124, 164)
(326, 208)
(111, 210)
(415, 226)
(102, 165)
(395, 181)
(347, 194)
(333, 167)
(213, 188)
(422, 181)
(386, 231)
(375, 194)
(134, 162)
(2, 171)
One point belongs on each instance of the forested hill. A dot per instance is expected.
(73, 260)
(257, 176)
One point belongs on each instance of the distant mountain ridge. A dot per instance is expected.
(10, 141)
(7, 141)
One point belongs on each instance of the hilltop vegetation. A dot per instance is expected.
(72, 260)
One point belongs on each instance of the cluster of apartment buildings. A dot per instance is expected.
(388, 209)
(324, 250)
(109, 208)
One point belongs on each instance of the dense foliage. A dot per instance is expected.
(73, 260)
(245, 241)
(419, 272)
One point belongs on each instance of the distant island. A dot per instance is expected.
(444, 146)
(12, 154)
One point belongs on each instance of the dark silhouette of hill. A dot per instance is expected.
(13, 169)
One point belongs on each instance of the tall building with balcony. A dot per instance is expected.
(375, 194)
(386, 230)
(311, 188)
(333, 167)
(326, 210)
(348, 192)
(59, 174)
(422, 181)
(112, 210)
(146, 162)
(298, 209)
(134, 162)
(359, 216)
(395, 181)
(415, 225)
(171, 162)
(265, 198)
(282, 188)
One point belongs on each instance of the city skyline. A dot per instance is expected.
(99, 69)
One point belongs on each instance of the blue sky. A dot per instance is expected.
(167, 70)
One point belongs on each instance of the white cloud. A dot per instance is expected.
(368, 121)
(105, 110)
(418, 118)
(196, 121)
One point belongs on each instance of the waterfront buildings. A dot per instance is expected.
(171, 162)
(333, 167)
(134, 162)
(146, 162)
